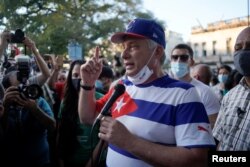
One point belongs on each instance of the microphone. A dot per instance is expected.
(118, 91)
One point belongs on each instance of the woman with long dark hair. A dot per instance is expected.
(75, 144)
(219, 89)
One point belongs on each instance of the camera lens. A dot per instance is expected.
(33, 91)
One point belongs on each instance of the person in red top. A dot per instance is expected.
(59, 84)
(57, 79)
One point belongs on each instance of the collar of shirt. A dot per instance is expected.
(244, 84)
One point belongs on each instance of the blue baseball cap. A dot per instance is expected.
(142, 28)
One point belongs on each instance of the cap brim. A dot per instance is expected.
(120, 37)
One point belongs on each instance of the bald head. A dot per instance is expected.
(242, 54)
(202, 72)
(243, 40)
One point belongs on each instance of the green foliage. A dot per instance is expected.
(53, 23)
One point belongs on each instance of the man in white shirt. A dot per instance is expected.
(181, 61)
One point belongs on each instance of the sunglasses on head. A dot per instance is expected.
(181, 57)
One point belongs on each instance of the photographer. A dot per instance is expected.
(25, 124)
(8, 37)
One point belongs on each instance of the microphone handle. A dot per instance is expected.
(98, 154)
(99, 118)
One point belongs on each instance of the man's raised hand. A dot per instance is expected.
(91, 70)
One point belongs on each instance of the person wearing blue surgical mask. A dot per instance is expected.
(222, 78)
(223, 73)
(181, 62)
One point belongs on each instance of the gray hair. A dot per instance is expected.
(151, 45)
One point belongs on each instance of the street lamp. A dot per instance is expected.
(248, 13)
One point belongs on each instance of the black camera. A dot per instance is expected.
(32, 91)
(17, 37)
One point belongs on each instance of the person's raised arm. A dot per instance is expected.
(90, 72)
(39, 113)
(55, 72)
(3, 42)
(45, 72)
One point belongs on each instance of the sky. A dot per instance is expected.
(181, 15)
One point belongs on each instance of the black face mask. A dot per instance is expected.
(76, 84)
(242, 62)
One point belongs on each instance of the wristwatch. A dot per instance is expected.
(86, 87)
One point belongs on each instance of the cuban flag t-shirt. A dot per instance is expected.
(165, 111)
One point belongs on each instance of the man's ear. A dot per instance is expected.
(191, 62)
(197, 77)
(159, 52)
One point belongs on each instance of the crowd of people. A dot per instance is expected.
(163, 118)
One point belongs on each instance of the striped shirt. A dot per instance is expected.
(165, 111)
(232, 127)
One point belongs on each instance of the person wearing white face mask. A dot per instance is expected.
(181, 61)
(155, 121)
(144, 74)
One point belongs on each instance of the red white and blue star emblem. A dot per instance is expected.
(123, 106)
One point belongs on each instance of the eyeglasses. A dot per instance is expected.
(182, 58)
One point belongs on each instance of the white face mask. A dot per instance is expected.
(143, 75)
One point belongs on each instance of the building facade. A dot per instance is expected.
(215, 43)
(173, 38)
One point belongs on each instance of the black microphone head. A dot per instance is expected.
(119, 89)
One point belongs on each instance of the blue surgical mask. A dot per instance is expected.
(222, 78)
(98, 84)
(143, 75)
(179, 69)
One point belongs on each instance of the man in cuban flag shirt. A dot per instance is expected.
(158, 121)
